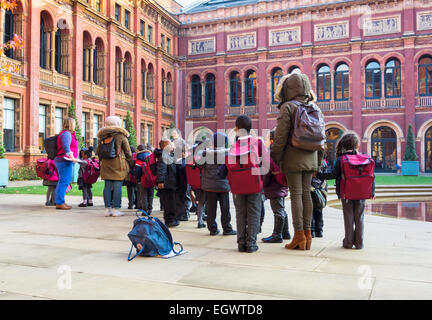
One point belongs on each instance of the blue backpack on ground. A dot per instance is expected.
(153, 235)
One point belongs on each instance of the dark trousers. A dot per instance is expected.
(147, 199)
(212, 200)
(263, 199)
(181, 203)
(167, 197)
(132, 194)
(87, 192)
(248, 214)
(353, 211)
(51, 195)
(201, 198)
(317, 220)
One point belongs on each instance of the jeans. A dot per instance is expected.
(87, 192)
(112, 194)
(65, 170)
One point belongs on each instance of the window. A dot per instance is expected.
(8, 31)
(294, 69)
(163, 82)
(142, 28)
(143, 81)
(341, 82)
(332, 137)
(393, 79)
(99, 74)
(127, 19)
(61, 51)
(96, 124)
(162, 44)
(373, 80)
(150, 83)
(168, 45)
(127, 74)
(235, 89)
(196, 92)
(428, 150)
(324, 83)
(42, 126)
(117, 12)
(58, 120)
(384, 149)
(84, 127)
(250, 88)
(95, 65)
(43, 46)
(149, 136)
(169, 89)
(275, 77)
(9, 125)
(98, 5)
(425, 76)
(150, 33)
(210, 91)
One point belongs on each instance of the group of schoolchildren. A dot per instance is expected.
(207, 175)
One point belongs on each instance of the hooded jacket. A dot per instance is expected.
(166, 169)
(291, 159)
(212, 178)
(118, 168)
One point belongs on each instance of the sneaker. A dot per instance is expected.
(230, 233)
(82, 205)
(117, 213)
(108, 212)
(272, 239)
(214, 233)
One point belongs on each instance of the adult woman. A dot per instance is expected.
(67, 155)
(297, 164)
(115, 170)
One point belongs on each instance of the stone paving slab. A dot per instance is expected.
(35, 241)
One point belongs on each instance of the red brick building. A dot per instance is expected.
(109, 56)
(370, 63)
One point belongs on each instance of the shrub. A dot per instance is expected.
(410, 152)
(23, 172)
(2, 149)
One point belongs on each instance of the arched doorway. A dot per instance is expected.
(384, 149)
(428, 150)
(332, 136)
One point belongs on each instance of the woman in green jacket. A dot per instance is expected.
(298, 164)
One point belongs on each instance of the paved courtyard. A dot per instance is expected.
(80, 254)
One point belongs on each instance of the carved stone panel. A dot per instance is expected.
(242, 41)
(284, 36)
(380, 26)
(424, 20)
(201, 46)
(334, 31)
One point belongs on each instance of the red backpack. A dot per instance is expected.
(357, 177)
(46, 169)
(243, 167)
(91, 172)
(149, 172)
(193, 176)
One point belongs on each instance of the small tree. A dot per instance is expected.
(72, 113)
(131, 129)
(2, 149)
(410, 152)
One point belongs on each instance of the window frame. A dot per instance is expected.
(324, 75)
(427, 79)
(335, 83)
(250, 84)
(210, 91)
(371, 70)
(273, 86)
(393, 78)
(196, 96)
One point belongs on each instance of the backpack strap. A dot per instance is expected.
(181, 248)
(138, 253)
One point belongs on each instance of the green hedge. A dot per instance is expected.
(23, 172)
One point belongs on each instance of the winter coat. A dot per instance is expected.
(118, 168)
(272, 188)
(212, 178)
(166, 169)
(291, 159)
(336, 173)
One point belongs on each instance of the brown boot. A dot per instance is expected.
(63, 206)
(308, 235)
(298, 241)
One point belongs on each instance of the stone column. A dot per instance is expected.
(356, 89)
(220, 95)
(409, 84)
(52, 48)
(91, 57)
(50, 112)
(111, 66)
(262, 94)
(203, 94)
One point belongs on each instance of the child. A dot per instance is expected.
(85, 155)
(51, 183)
(248, 206)
(216, 186)
(166, 179)
(144, 195)
(131, 185)
(319, 190)
(276, 189)
(353, 210)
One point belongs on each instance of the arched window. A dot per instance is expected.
(143, 80)
(8, 31)
(250, 88)
(428, 150)
(127, 74)
(275, 77)
(44, 49)
(425, 76)
(235, 89)
(87, 47)
(163, 82)
(393, 79)
(332, 137)
(61, 56)
(294, 69)
(210, 94)
(324, 83)
(196, 92)
(373, 80)
(384, 153)
(99, 63)
(150, 82)
(341, 82)
(118, 70)
(169, 89)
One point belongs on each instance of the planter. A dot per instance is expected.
(410, 168)
(4, 172)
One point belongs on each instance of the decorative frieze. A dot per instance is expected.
(284, 36)
(241, 41)
(334, 31)
(95, 20)
(372, 27)
(424, 20)
(201, 46)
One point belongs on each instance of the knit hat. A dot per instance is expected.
(113, 121)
